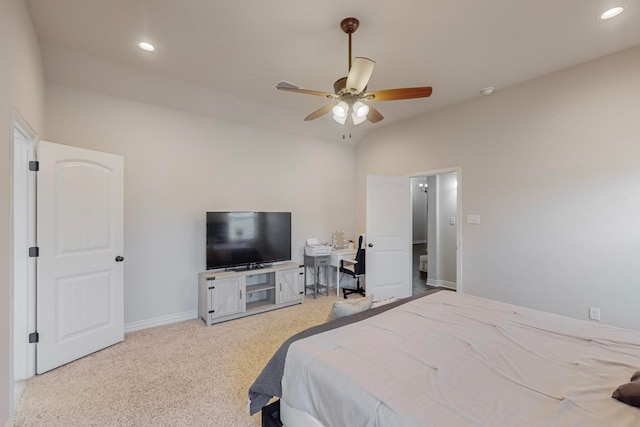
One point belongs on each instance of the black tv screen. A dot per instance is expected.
(241, 239)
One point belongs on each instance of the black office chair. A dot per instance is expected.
(354, 268)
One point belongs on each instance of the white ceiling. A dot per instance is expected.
(243, 48)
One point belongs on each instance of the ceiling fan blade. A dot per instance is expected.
(311, 92)
(292, 88)
(319, 112)
(397, 94)
(374, 115)
(359, 74)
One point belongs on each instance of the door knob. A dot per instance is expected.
(370, 245)
(119, 258)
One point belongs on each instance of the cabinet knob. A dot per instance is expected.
(119, 258)
(370, 245)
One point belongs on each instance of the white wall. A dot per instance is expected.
(432, 226)
(178, 166)
(21, 88)
(442, 234)
(552, 166)
(447, 201)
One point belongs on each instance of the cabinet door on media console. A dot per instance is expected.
(290, 285)
(227, 296)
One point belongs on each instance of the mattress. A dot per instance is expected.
(269, 383)
(452, 359)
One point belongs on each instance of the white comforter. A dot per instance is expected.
(452, 360)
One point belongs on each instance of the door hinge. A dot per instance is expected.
(34, 337)
(34, 165)
(34, 252)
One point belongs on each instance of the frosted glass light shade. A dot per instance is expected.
(357, 120)
(340, 120)
(340, 111)
(360, 109)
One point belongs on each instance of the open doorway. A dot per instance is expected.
(434, 200)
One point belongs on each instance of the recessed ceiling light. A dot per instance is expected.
(488, 90)
(146, 46)
(608, 14)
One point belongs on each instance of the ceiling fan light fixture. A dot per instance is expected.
(340, 110)
(350, 90)
(340, 119)
(360, 109)
(356, 119)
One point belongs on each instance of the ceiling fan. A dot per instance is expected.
(351, 91)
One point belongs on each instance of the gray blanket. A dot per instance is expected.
(268, 383)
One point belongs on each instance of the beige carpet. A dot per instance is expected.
(183, 374)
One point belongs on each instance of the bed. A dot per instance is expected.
(450, 359)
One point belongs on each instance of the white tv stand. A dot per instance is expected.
(227, 295)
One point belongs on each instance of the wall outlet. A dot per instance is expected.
(594, 313)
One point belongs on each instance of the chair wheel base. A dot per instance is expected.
(358, 290)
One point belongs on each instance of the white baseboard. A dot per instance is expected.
(442, 284)
(159, 321)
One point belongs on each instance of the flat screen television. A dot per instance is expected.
(240, 240)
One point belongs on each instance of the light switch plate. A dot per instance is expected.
(473, 219)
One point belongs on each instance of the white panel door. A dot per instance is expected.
(80, 283)
(388, 238)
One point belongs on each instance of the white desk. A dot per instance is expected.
(336, 256)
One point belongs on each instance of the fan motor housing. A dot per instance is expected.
(340, 85)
